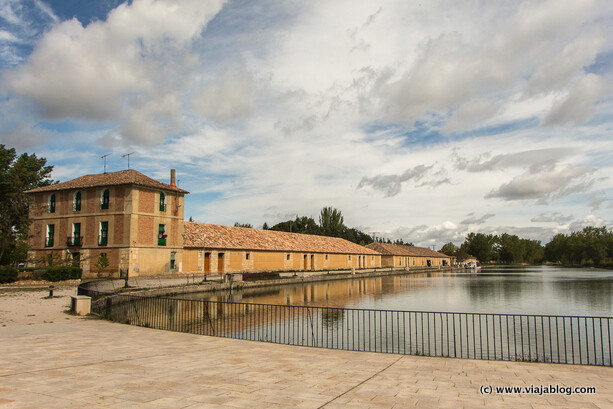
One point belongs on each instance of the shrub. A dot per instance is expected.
(60, 273)
(7, 274)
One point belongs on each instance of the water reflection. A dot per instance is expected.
(528, 290)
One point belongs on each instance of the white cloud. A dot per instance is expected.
(96, 72)
(542, 184)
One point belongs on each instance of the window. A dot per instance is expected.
(349, 258)
(162, 235)
(104, 200)
(172, 260)
(247, 256)
(287, 257)
(52, 203)
(75, 239)
(326, 256)
(162, 202)
(372, 258)
(76, 202)
(103, 237)
(49, 236)
(76, 259)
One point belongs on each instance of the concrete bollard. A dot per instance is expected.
(81, 304)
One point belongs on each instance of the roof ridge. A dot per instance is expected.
(117, 178)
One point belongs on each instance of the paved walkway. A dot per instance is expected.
(90, 363)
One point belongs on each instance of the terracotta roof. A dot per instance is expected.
(123, 177)
(242, 238)
(401, 250)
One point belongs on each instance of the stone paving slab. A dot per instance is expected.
(88, 363)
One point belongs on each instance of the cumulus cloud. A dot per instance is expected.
(95, 72)
(589, 220)
(544, 183)
(538, 49)
(391, 185)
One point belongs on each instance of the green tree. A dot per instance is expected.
(304, 225)
(17, 174)
(102, 263)
(331, 222)
(450, 249)
(480, 246)
(511, 250)
(534, 252)
(555, 249)
(247, 225)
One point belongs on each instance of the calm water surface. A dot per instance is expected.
(524, 290)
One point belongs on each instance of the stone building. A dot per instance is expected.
(135, 221)
(394, 255)
(215, 250)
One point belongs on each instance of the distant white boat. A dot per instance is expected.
(473, 265)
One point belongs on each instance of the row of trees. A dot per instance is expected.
(593, 246)
(505, 248)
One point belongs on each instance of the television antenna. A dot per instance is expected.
(128, 155)
(104, 157)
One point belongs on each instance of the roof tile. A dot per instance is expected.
(401, 250)
(123, 177)
(242, 238)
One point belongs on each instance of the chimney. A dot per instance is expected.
(172, 178)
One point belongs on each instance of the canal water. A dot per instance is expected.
(544, 314)
(535, 290)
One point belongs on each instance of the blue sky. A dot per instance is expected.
(419, 120)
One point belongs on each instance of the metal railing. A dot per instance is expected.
(506, 337)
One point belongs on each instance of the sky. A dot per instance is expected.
(420, 120)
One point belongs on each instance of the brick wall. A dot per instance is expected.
(145, 232)
(146, 201)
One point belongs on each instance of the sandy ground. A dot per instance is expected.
(27, 303)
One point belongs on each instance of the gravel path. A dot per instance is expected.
(28, 303)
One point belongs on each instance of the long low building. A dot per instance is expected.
(215, 249)
(395, 255)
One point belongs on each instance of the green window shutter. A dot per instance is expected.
(162, 202)
(52, 204)
(162, 235)
(172, 260)
(76, 234)
(104, 234)
(104, 204)
(77, 202)
(50, 234)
